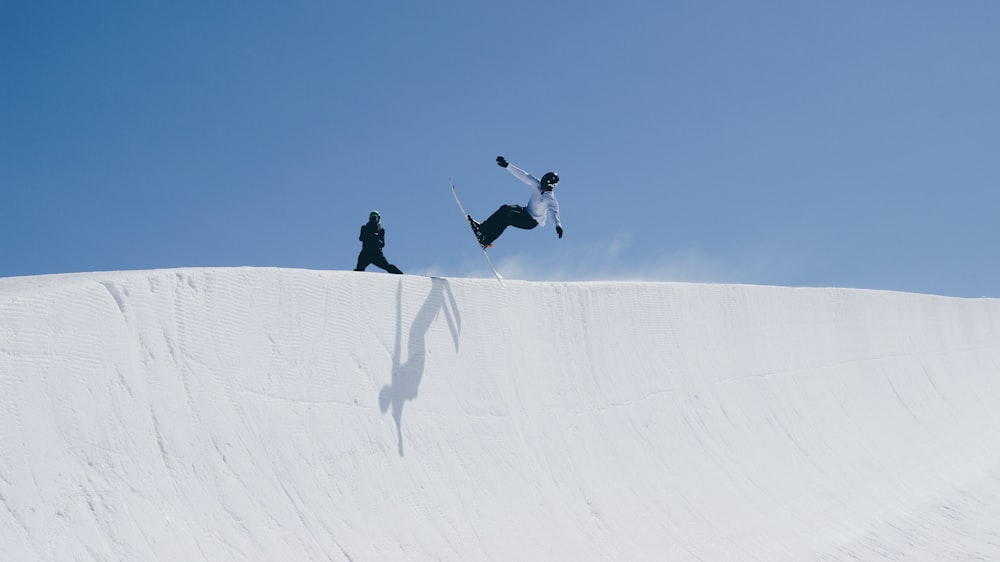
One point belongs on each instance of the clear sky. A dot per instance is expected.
(849, 144)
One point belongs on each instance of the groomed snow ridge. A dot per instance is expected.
(274, 414)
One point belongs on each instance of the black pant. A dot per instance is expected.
(506, 215)
(377, 259)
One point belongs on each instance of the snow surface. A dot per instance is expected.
(252, 414)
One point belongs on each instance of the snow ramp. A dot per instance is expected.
(271, 414)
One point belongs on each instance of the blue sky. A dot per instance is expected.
(848, 144)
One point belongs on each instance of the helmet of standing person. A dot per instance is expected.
(550, 179)
(374, 215)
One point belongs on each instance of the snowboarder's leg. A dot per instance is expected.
(363, 261)
(506, 215)
(521, 218)
(380, 261)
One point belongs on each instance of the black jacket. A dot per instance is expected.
(372, 237)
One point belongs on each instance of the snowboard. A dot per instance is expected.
(465, 217)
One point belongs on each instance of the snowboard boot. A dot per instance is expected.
(479, 235)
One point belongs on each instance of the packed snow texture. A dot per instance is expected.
(251, 414)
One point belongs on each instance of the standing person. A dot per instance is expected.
(372, 241)
(543, 204)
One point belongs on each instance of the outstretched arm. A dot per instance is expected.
(518, 172)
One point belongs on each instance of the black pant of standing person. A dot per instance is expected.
(372, 241)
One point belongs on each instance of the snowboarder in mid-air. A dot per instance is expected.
(543, 204)
(372, 241)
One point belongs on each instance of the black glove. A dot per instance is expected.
(559, 231)
(501, 161)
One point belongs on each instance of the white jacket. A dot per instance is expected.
(542, 203)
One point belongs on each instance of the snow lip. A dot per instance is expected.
(10, 286)
(278, 413)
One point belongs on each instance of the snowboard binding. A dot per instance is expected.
(478, 233)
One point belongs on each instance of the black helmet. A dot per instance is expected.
(374, 215)
(550, 178)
